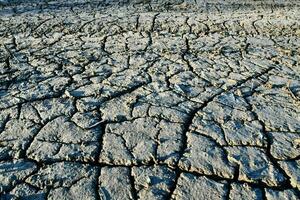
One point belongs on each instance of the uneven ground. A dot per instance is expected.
(192, 100)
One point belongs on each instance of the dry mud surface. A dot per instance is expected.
(149, 100)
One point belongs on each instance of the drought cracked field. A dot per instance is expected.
(179, 100)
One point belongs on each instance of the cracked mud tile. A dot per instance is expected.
(204, 156)
(169, 139)
(145, 21)
(114, 183)
(192, 86)
(176, 115)
(153, 182)
(81, 189)
(65, 180)
(86, 120)
(118, 109)
(61, 139)
(135, 105)
(244, 133)
(45, 89)
(271, 102)
(164, 66)
(229, 122)
(115, 151)
(209, 128)
(16, 136)
(87, 104)
(285, 145)
(137, 41)
(174, 45)
(219, 72)
(165, 98)
(281, 195)
(94, 72)
(140, 110)
(222, 113)
(7, 101)
(29, 112)
(124, 82)
(51, 108)
(245, 191)
(142, 140)
(24, 191)
(14, 172)
(115, 44)
(86, 90)
(5, 115)
(292, 169)
(255, 166)
(192, 187)
(175, 24)
(133, 141)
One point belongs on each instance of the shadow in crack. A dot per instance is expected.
(104, 194)
(15, 167)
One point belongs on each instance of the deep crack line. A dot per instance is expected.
(193, 113)
(287, 182)
(70, 57)
(134, 192)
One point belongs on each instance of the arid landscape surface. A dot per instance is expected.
(150, 99)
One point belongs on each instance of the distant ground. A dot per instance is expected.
(150, 99)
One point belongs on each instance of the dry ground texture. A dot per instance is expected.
(150, 99)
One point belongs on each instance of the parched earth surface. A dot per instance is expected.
(150, 99)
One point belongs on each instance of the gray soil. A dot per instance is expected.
(150, 99)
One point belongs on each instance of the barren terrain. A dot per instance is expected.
(150, 99)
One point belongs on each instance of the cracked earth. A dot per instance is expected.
(156, 100)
